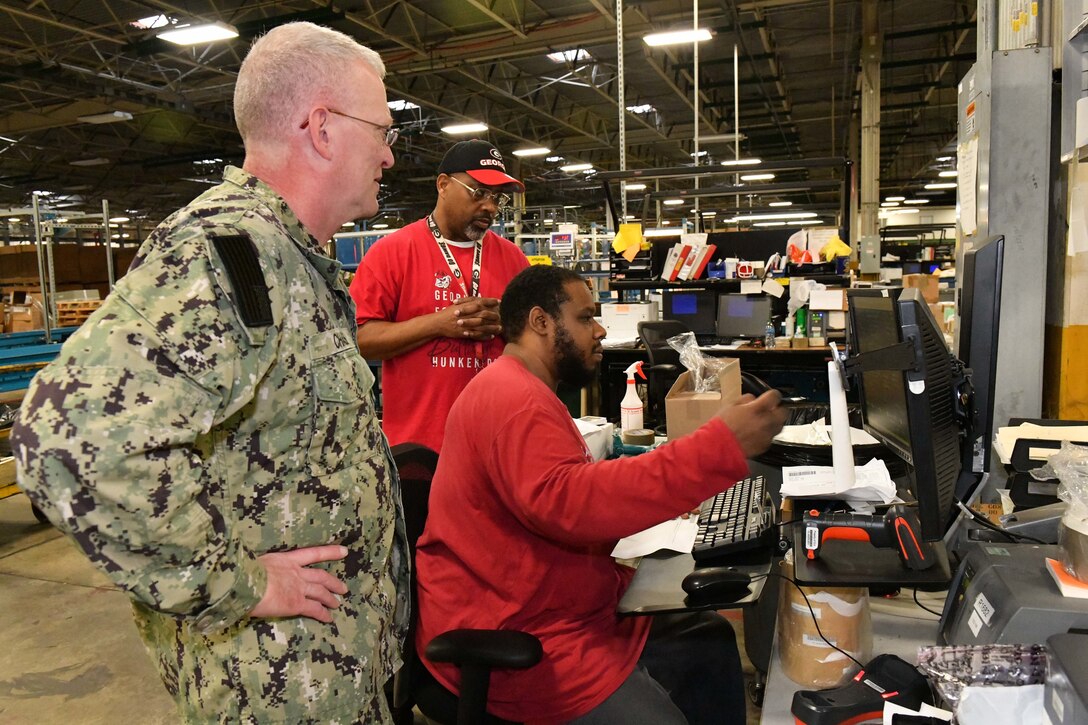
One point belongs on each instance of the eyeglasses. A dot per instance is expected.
(480, 194)
(391, 134)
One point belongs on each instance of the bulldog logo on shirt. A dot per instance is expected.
(442, 281)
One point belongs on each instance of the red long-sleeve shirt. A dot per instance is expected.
(520, 528)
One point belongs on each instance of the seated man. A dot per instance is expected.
(522, 521)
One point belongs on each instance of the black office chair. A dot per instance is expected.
(664, 366)
(475, 652)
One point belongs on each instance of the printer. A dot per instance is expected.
(621, 320)
(1003, 594)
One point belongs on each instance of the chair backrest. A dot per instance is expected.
(655, 335)
(416, 465)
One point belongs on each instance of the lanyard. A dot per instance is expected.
(477, 256)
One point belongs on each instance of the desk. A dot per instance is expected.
(801, 372)
(892, 634)
(656, 586)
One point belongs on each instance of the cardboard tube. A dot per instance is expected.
(842, 453)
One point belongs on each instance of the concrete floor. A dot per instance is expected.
(69, 652)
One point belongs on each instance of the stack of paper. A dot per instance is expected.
(872, 482)
(1006, 437)
(673, 535)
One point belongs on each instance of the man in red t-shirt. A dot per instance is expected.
(522, 523)
(426, 296)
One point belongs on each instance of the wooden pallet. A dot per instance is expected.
(77, 306)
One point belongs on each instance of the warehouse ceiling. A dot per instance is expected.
(485, 60)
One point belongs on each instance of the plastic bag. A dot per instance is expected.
(997, 665)
(704, 368)
(1070, 466)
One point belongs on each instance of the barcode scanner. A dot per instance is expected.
(897, 529)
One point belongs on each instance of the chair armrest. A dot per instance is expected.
(662, 368)
(500, 649)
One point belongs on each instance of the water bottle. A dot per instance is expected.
(768, 336)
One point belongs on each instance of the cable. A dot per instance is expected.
(922, 606)
(985, 522)
(812, 613)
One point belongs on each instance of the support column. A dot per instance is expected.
(869, 182)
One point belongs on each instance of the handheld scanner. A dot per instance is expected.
(897, 529)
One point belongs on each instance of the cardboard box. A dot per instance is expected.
(828, 299)
(686, 410)
(926, 283)
(25, 317)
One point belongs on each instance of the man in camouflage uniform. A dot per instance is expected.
(208, 437)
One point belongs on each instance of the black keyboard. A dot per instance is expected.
(737, 520)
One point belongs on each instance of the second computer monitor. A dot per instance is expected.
(743, 315)
(695, 308)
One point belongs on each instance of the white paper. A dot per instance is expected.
(773, 288)
(751, 286)
(1001, 705)
(818, 433)
(967, 166)
(675, 535)
(1006, 436)
(872, 482)
(927, 710)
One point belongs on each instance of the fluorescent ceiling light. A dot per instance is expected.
(769, 224)
(916, 201)
(951, 174)
(99, 161)
(665, 222)
(537, 151)
(151, 22)
(743, 162)
(889, 203)
(757, 177)
(708, 213)
(676, 37)
(628, 216)
(889, 212)
(196, 34)
(379, 226)
(948, 185)
(574, 168)
(634, 187)
(660, 232)
(460, 128)
(776, 215)
(60, 220)
(110, 117)
(554, 159)
(642, 108)
(944, 158)
(569, 56)
(808, 221)
(119, 219)
(781, 203)
(347, 225)
(401, 105)
(895, 198)
(13, 218)
(722, 138)
(693, 154)
(673, 202)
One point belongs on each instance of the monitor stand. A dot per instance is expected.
(858, 563)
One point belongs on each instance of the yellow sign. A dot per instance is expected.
(539, 259)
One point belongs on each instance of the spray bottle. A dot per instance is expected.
(631, 405)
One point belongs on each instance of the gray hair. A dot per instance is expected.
(284, 70)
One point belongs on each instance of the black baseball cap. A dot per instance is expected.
(480, 160)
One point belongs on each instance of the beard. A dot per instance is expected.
(571, 366)
(474, 233)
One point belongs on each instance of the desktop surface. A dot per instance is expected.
(657, 585)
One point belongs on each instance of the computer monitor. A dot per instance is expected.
(743, 315)
(695, 308)
(980, 314)
(908, 395)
